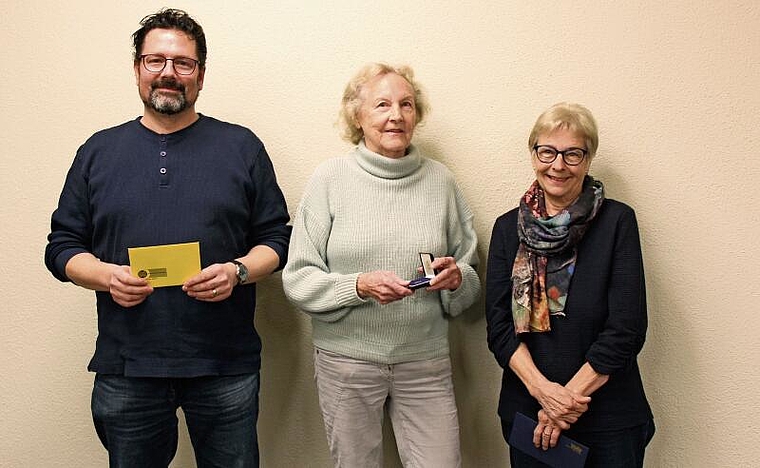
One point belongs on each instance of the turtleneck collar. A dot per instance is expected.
(385, 167)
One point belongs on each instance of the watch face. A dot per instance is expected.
(242, 272)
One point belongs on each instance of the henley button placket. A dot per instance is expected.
(163, 178)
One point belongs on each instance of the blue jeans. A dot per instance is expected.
(136, 419)
(623, 448)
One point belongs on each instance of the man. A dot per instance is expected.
(172, 176)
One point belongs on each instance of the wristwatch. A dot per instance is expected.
(241, 271)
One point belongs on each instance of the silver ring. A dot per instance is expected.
(213, 292)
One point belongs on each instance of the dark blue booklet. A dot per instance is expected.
(566, 454)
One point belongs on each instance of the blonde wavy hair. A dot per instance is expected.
(352, 99)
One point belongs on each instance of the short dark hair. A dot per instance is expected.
(170, 18)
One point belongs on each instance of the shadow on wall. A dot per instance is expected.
(661, 314)
(289, 409)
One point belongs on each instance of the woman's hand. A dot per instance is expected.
(561, 405)
(547, 432)
(383, 286)
(213, 284)
(448, 277)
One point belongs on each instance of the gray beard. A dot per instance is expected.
(168, 105)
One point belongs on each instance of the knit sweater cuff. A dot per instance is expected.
(345, 291)
(455, 302)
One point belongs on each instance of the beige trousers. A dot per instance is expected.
(420, 400)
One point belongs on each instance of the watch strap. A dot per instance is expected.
(241, 271)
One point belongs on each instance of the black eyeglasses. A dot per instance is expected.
(155, 63)
(572, 156)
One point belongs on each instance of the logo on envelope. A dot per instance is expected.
(165, 265)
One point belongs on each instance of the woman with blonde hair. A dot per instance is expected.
(566, 303)
(357, 240)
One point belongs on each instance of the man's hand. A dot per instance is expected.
(213, 284)
(125, 289)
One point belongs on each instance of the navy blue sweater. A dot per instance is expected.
(605, 322)
(211, 182)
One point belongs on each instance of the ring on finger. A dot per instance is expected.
(214, 292)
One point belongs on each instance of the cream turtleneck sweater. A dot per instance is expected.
(366, 212)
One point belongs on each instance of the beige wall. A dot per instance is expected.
(674, 86)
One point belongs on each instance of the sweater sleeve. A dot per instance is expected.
(463, 246)
(624, 330)
(502, 340)
(71, 224)
(269, 210)
(307, 280)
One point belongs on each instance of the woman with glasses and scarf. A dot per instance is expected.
(566, 303)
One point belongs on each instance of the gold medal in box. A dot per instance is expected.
(166, 265)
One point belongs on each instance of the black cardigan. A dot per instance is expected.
(605, 322)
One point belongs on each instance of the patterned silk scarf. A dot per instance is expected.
(545, 260)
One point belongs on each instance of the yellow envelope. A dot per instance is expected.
(166, 265)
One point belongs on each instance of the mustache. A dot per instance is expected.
(167, 83)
